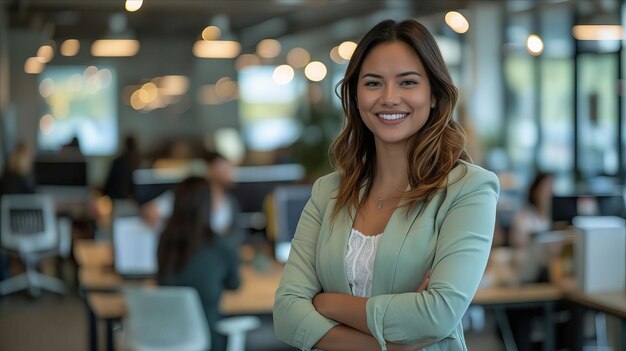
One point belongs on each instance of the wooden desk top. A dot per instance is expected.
(105, 279)
(254, 296)
(610, 302)
(93, 253)
(518, 294)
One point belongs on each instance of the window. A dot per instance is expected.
(268, 110)
(78, 102)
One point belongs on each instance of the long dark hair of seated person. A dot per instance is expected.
(190, 254)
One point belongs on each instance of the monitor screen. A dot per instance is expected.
(150, 183)
(565, 208)
(60, 173)
(289, 202)
(135, 247)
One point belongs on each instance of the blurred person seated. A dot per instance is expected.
(71, 150)
(534, 218)
(119, 183)
(191, 254)
(224, 211)
(536, 215)
(532, 258)
(18, 177)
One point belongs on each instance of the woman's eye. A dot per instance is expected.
(408, 82)
(372, 84)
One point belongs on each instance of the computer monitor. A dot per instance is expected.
(565, 208)
(150, 183)
(254, 183)
(135, 246)
(60, 173)
(289, 201)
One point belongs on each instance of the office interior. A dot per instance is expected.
(541, 100)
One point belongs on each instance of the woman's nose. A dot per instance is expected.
(390, 96)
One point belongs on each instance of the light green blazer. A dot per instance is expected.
(451, 234)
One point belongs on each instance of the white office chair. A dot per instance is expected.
(28, 228)
(165, 319)
(235, 329)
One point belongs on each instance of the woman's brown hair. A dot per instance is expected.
(434, 150)
(188, 228)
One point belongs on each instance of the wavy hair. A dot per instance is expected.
(434, 150)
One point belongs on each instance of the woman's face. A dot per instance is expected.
(222, 172)
(393, 93)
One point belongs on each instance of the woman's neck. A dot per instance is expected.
(391, 169)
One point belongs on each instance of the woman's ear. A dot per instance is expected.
(433, 102)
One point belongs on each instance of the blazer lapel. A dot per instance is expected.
(338, 237)
(389, 248)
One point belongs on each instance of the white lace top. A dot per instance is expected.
(359, 262)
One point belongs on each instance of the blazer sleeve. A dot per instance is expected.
(462, 251)
(296, 321)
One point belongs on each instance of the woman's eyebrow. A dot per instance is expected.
(378, 76)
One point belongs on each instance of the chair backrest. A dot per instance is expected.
(28, 223)
(165, 318)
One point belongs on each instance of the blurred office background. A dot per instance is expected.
(541, 91)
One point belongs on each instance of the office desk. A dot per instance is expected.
(612, 303)
(104, 301)
(254, 296)
(500, 299)
(91, 253)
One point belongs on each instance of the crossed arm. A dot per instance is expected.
(353, 332)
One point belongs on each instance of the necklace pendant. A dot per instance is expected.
(380, 204)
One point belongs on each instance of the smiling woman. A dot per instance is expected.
(391, 247)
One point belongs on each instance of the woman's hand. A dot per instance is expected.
(425, 282)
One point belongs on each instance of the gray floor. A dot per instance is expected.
(53, 322)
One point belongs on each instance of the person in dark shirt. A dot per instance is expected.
(18, 177)
(119, 183)
(191, 254)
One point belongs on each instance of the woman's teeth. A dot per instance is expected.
(391, 117)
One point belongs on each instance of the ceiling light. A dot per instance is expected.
(334, 55)
(226, 88)
(216, 49)
(457, 22)
(598, 32)
(283, 74)
(115, 47)
(136, 101)
(70, 47)
(133, 5)
(45, 53)
(315, 71)
(268, 48)
(346, 49)
(33, 65)
(534, 44)
(211, 33)
(298, 57)
(172, 85)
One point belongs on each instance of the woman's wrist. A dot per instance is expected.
(323, 304)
